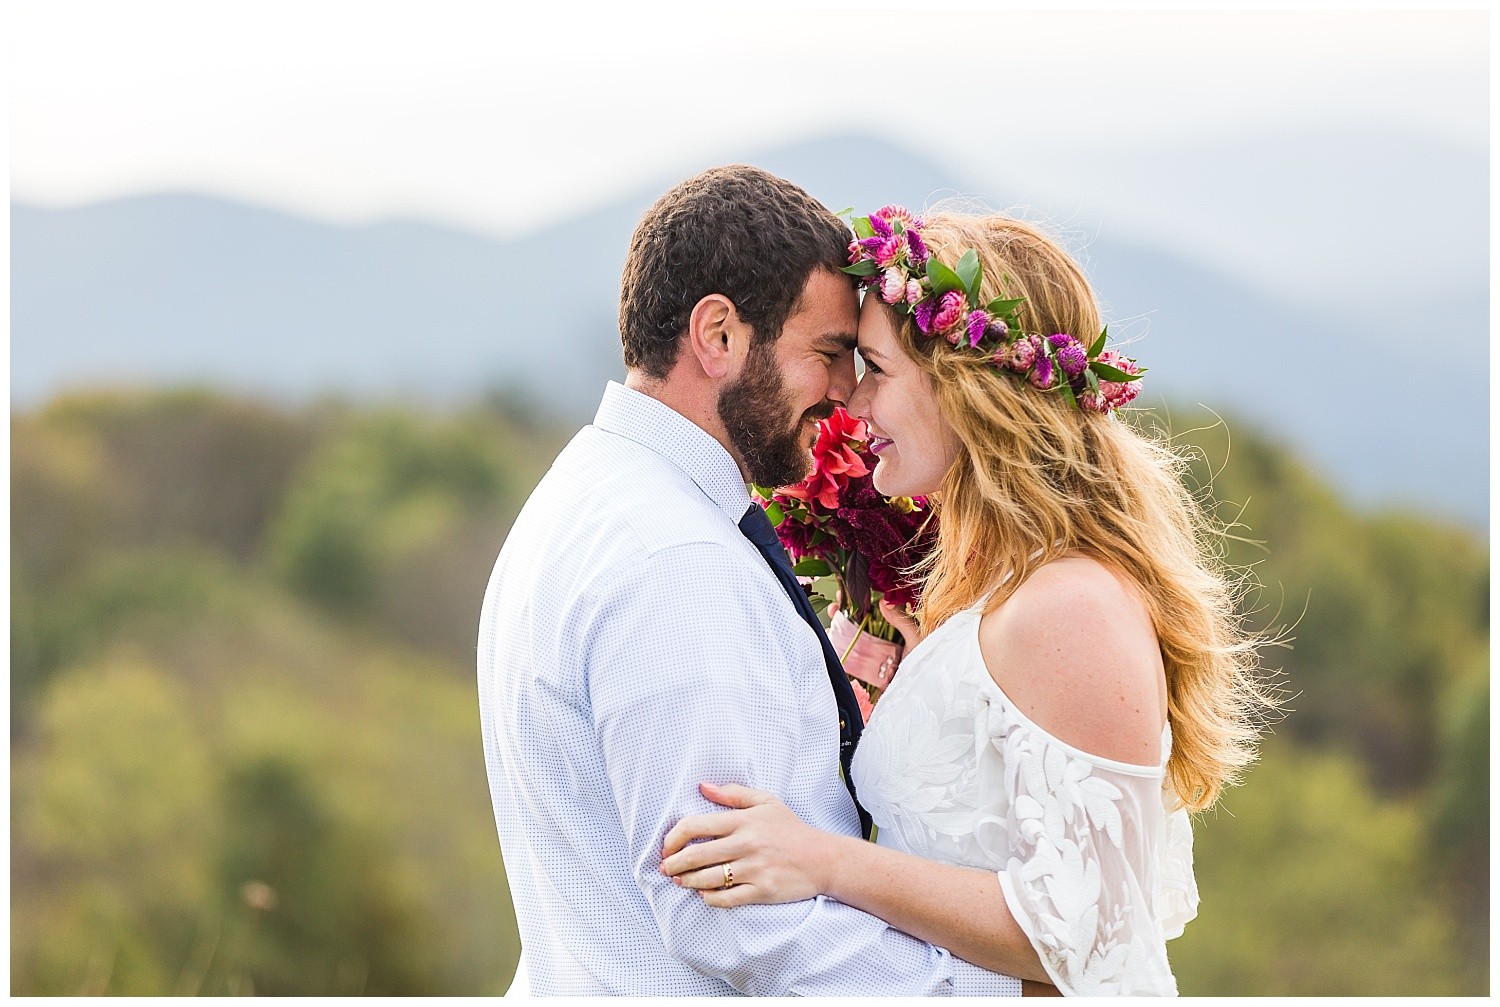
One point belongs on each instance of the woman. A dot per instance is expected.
(1083, 683)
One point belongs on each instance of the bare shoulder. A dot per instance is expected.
(1074, 648)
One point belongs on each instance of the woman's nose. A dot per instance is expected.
(857, 403)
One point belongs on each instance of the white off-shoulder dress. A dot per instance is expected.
(1093, 859)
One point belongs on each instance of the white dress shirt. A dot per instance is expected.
(633, 643)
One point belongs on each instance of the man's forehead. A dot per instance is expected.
(828, 296)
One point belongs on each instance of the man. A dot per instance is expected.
(639, 635)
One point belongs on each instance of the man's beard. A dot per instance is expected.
(753, 410)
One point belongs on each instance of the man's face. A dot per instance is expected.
(771, 410)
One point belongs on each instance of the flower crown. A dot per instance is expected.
(889, 255)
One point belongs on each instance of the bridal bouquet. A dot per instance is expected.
(836, 525)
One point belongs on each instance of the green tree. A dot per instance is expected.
(319, 907)
(115, 827)
(398, 519)
(1311, 885)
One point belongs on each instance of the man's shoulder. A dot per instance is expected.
(618, 491)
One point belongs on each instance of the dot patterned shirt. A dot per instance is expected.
(632, 644)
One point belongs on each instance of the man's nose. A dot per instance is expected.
(842, 380)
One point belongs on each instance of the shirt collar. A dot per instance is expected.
(656, 425)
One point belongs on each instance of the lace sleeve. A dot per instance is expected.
(1093, 862)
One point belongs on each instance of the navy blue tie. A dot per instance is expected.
(757, 528)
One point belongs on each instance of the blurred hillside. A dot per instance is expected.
(245, 745)
(176, 288)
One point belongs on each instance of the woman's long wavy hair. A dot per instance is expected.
(1037, 478)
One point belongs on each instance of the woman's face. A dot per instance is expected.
(913, 442)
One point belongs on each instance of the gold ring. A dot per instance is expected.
(728, 876)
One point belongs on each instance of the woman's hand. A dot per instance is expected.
(911, 633)
(772, 855)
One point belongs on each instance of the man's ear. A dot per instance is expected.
(717, 338)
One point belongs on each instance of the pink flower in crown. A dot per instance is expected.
(1093, 402)
(1019, 355)
(893, 212)
(890, 250)
(856, 251)
(1119, 362)
(979, 320)
(950, 310)
(893, 286)
(1119, 393)
(913, 291)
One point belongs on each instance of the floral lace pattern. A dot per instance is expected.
(1094, 862)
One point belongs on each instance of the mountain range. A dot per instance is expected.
(180, 288)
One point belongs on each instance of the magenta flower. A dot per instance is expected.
(1042, 373)
(890, 250)
(881, 226)
(950, 310)
(856, 251)
(1072, 356)
(917, 245)
(923, 313)
(978, 321)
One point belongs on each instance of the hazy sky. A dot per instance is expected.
(473, 113)
(499, 121)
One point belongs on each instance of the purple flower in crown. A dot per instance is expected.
(881, 226)
(1043, 372)
(1072, 356)
(870, 246)
(978, 322)
(950, 310)
(917, 247)
(923, 313)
